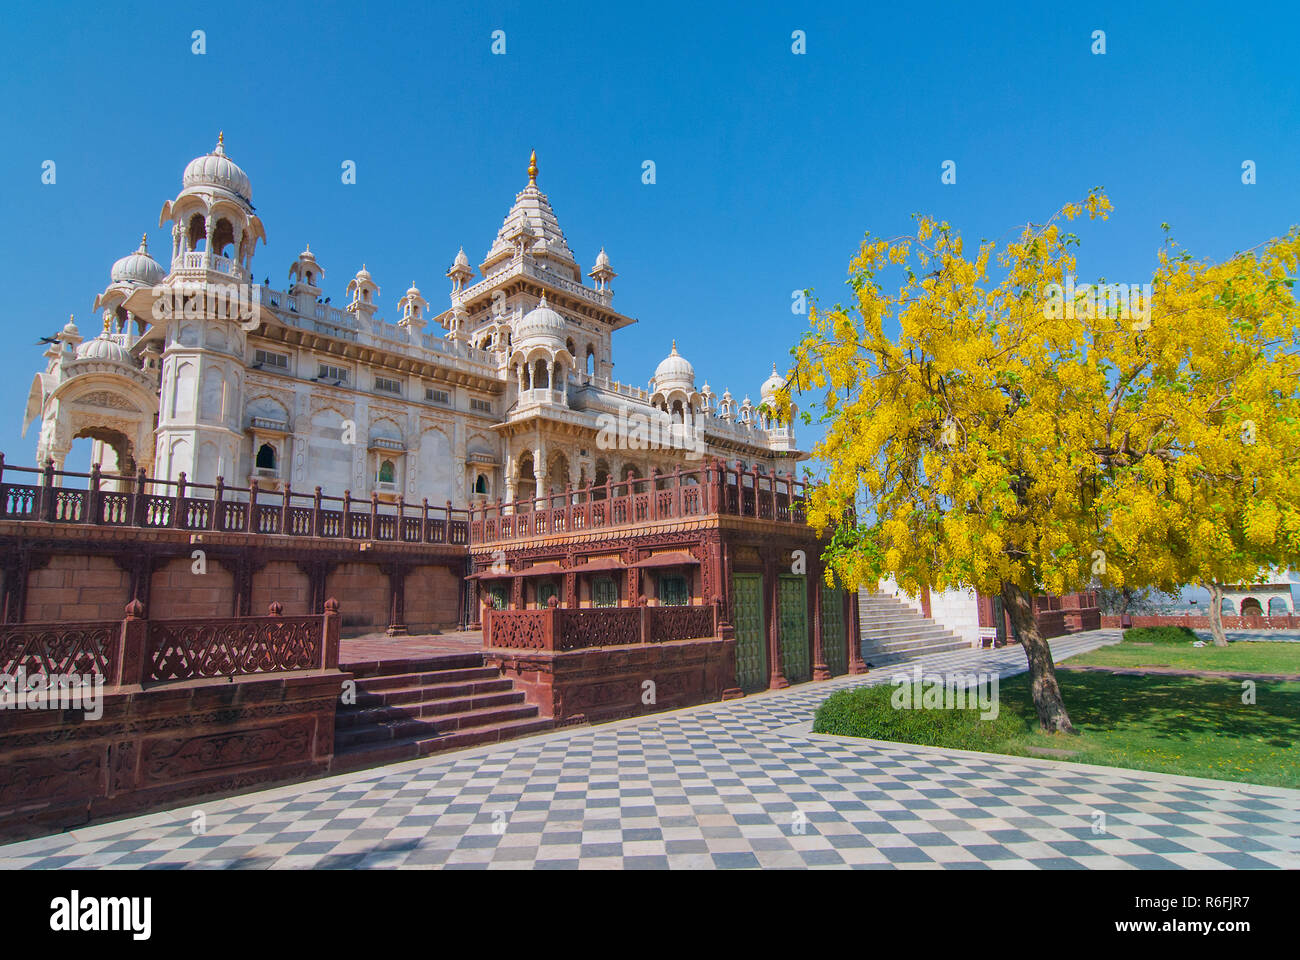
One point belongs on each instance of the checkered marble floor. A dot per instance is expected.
(737, 784)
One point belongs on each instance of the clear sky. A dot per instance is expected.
(770, 166)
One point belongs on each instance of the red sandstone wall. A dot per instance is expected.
(431, 599)
(362, 592)
(1287, 622)
(73, 588)
(177, 592)
(281, 581)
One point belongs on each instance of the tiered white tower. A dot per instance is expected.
(214, 233)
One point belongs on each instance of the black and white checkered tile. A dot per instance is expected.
(722, 785)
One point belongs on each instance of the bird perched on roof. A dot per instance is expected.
(47, 340)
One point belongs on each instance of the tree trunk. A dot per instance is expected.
(1216, 615)
(1046, 692)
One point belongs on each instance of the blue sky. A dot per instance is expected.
(770, 166)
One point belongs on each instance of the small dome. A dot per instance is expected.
(461, 259)
(414, 291)
(772, 384)
(138, 267)
(70, 328)
(103, 348)
(675, 370)
(541, 323)
(217, 170)
(726, 395)
(363, 275)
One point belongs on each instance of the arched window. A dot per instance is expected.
(266, 457)
(1250, 607)
(198, 231)
(222, 237)
(387, 472)
(1277, 607)
(365, 295)
(481, 485)
(309, 278)
(540, 379)
(591, 361)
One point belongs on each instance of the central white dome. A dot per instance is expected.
(103, 348)
(138, 267)
(676, 370)
(541, 323)
(217, 170)
(772, 384)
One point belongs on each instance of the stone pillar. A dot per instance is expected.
(396, 598)
(852, 628)
(633, 579)
(771, 581)
(820, 670)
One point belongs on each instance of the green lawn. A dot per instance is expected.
(1169, 724)
(1236, 657)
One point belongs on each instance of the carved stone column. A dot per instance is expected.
(820, 670)
(772, 583)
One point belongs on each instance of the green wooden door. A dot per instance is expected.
(751, 640)
(833, 649)
(793, 594)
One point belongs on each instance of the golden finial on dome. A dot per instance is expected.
(532, 168)
(108, 324)
(674, 347)
(144, 242)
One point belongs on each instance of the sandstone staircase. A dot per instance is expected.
(411, 708)
(892, 631)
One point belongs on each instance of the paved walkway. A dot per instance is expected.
(737, 784)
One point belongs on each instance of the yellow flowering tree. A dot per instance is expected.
(1022, 434)
(1222, 439)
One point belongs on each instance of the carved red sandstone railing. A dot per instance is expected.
(559, 628)
(47, 649)
(144, 502)
(139, 651)
(711, 489)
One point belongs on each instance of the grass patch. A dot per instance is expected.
(1246, 657)
(1160, 635)
(1181, 725)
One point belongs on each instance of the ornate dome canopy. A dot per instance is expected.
(138, 267)
(772, 384)
(217, 170)
(541, 324)
(675, 370)
(104, 348)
